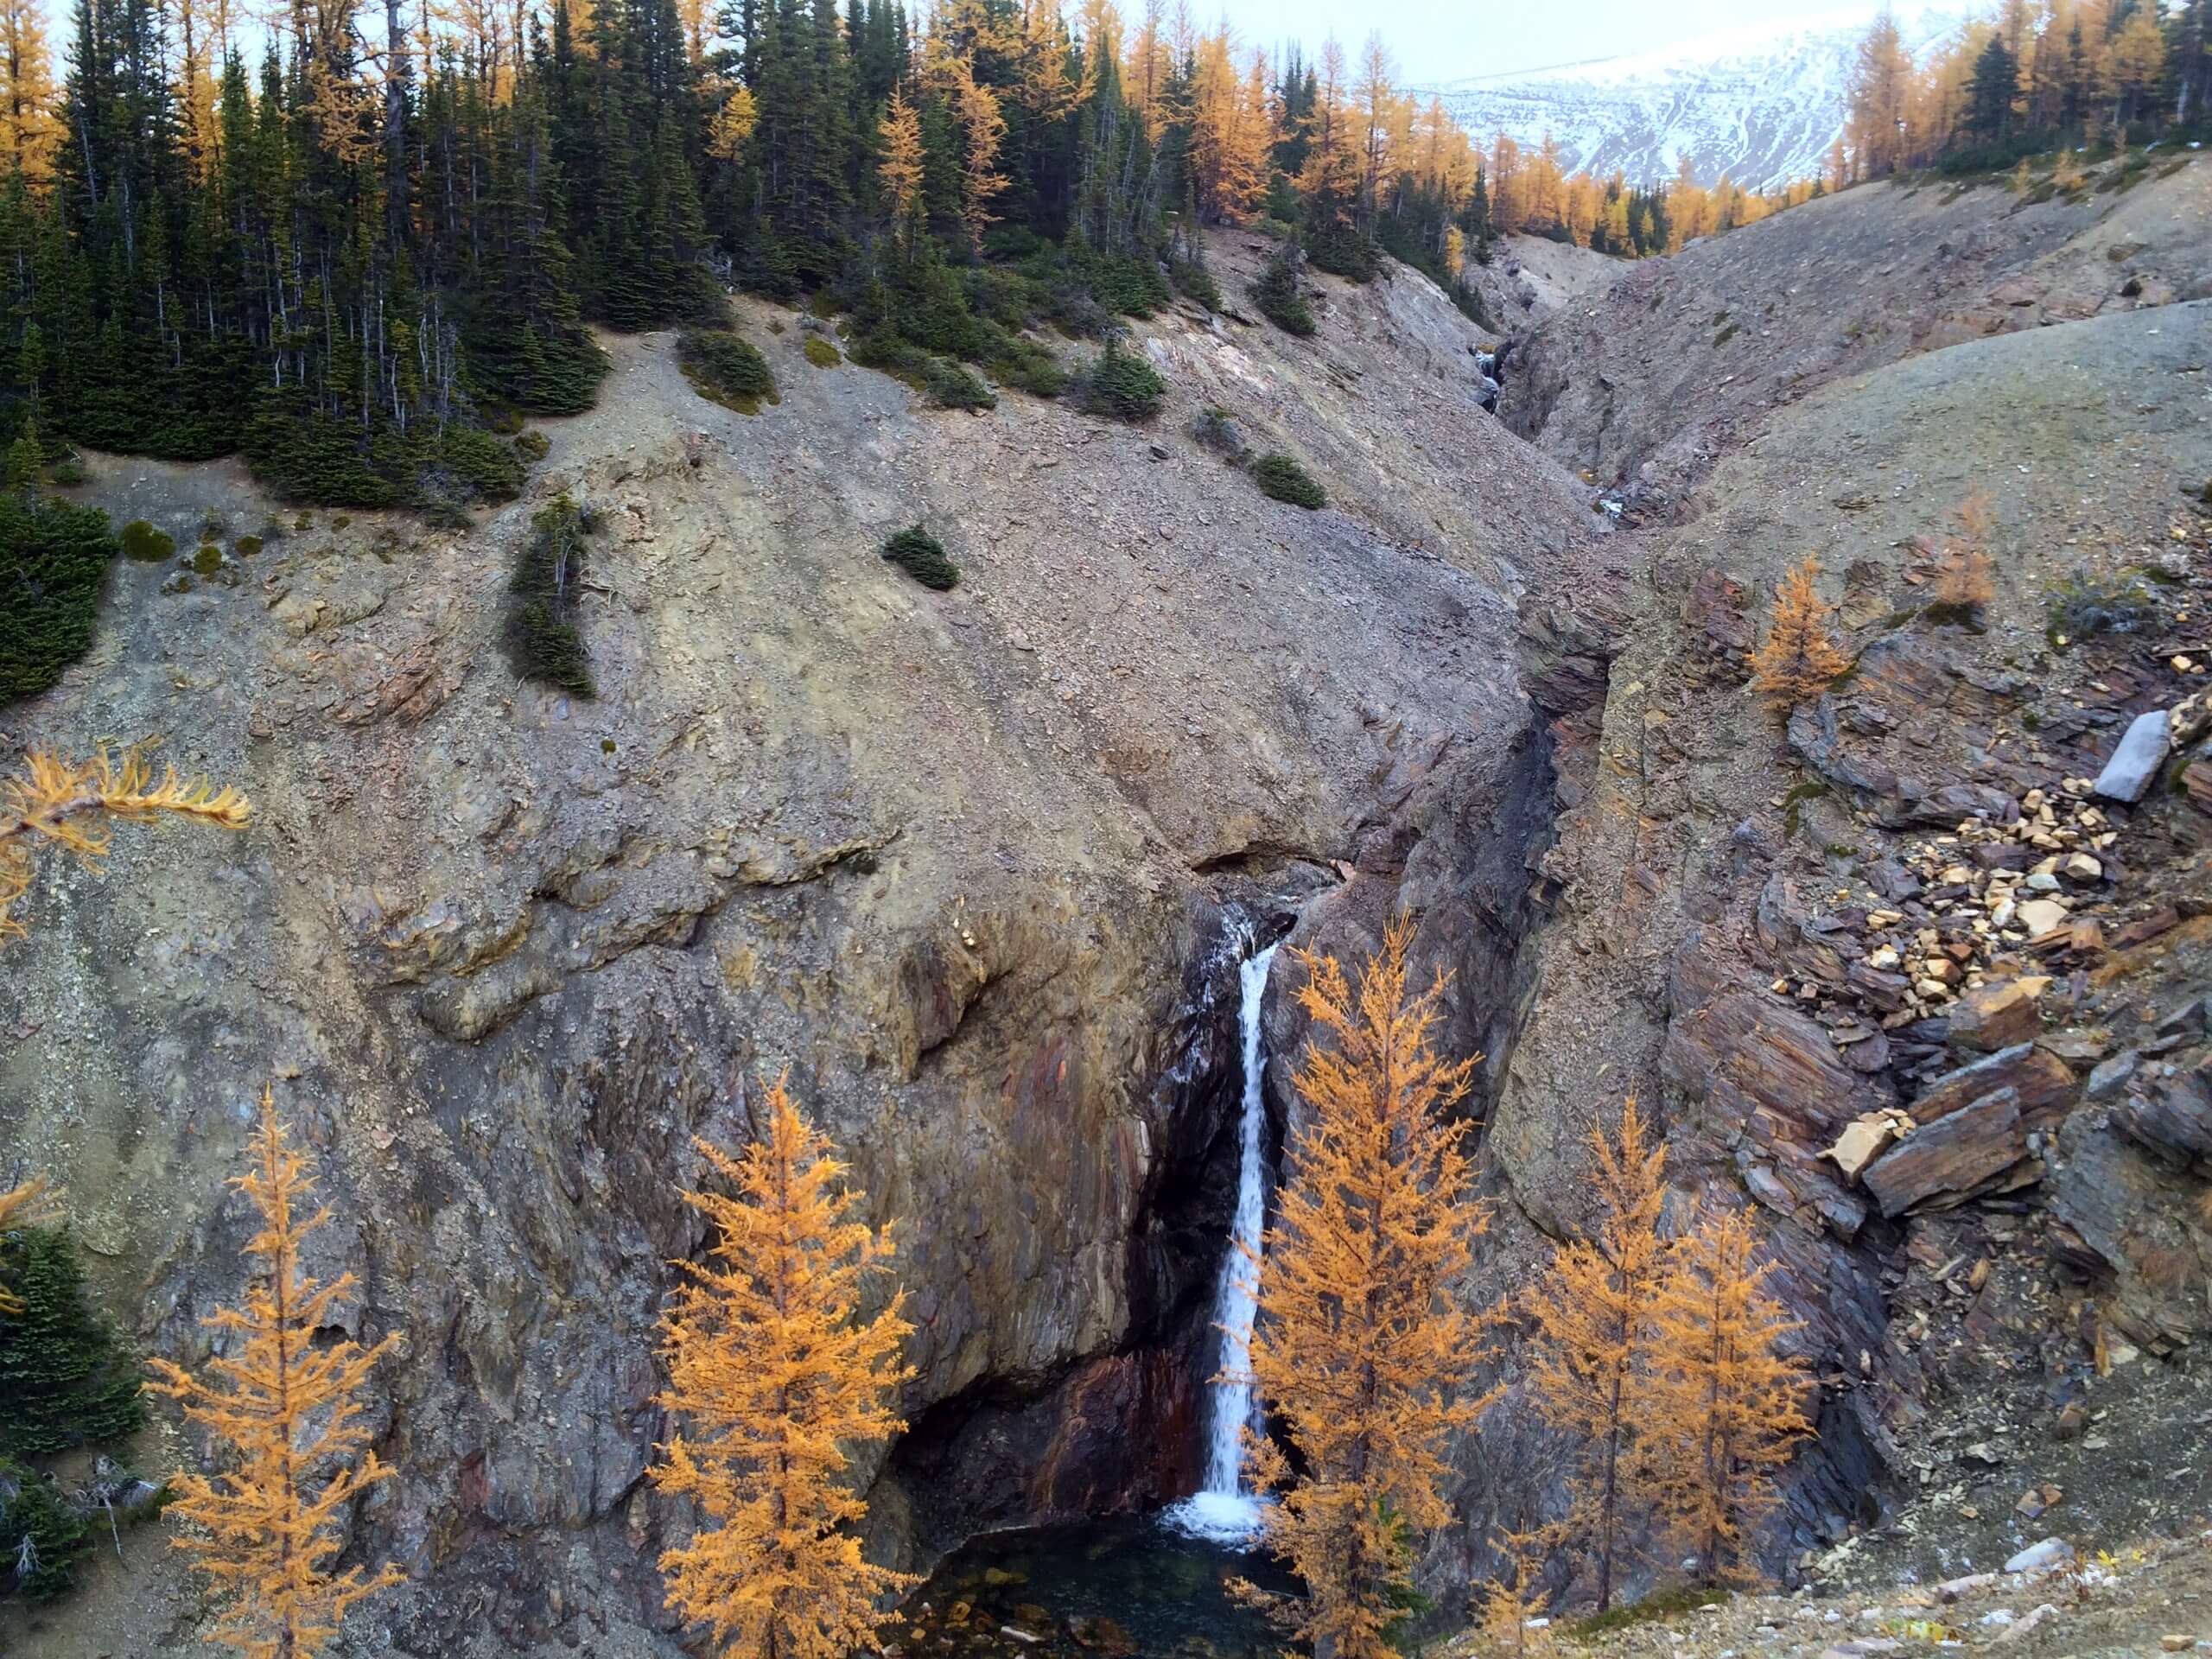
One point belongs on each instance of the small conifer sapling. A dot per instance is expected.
(1726, 1407)
(777, 1377)
(286, 1406)
(1799, 659)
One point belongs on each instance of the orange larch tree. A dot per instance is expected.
(780, 1378)
(1965, 576)
(1360, 1347)
(1589, 1365)
(29, 128)
(982, 131)
(288, 1405)
(55, 804)
(1799, 659)
(1510, 1622)
(1727, 1407)
(901, 171)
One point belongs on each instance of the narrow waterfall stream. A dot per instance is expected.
(1158, 1586)
(1223, 1509)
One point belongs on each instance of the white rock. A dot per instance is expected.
(2142, 751)
(2043, 1557)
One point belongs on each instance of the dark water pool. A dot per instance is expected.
(1105, 1590)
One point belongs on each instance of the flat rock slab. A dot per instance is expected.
(2142, 751)
(2045, 1083)
(1951, 1156)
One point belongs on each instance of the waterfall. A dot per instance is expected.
(1221, 1509)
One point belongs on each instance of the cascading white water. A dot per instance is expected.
(1221, 1509)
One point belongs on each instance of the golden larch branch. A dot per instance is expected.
(62, 805)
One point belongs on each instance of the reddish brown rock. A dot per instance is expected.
(2003, 1015)
(1941, 1163)
(2045, 1083)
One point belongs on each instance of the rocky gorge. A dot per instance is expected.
(978, 867)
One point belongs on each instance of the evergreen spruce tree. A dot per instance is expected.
(65, 1373)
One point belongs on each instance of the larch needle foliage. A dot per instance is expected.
(1798, 659)
(56, 804)
(1726, 1407)
(1360, 1346)
(778, 1377)
(1590, 1363)
(288, 1407)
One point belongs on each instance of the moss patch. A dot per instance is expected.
(822, 353)
(147, 545)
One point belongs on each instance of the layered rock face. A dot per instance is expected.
(964, 863)
(1904, 979)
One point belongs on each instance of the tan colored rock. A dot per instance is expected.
(1863, 1140)
(2041, 916)
(1991, 1017)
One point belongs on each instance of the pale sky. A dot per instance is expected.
(1451, 40)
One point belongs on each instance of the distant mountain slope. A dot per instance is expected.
(1761, 106)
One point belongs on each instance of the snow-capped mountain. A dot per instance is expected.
(1761, 106)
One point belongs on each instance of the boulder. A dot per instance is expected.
(1863, 1140)
(2173, 1117)
(2142, 751)
(2047, 1556)
(1947, 1159)
(2043, 1082)
(1992, 1017)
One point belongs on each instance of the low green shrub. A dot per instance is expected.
(1124, 386)
(1278, 475)
(2086, 604)
(208, 560)
(543, 640)
(820, 353)
(66, 1375)
(1195, 281)
(724, 368)
(951, 385)
(67, 472)
(54, 557)
(247, 546)
(922, 557)
(1279, 300)
(43, 1539)
(1343, 251)
(144, 544)
(532, 445)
